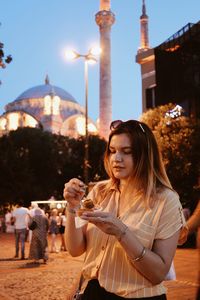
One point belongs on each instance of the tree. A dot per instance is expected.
(178, 139)
(3, 60)
(35, 164)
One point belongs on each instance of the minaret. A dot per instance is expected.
(144, 35)
(146, 58)
(105, 19)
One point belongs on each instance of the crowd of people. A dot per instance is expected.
(33, 225)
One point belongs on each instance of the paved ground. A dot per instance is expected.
(22, 280)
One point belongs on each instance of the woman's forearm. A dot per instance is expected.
(148, 262)
(74, 237)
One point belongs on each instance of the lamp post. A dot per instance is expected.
(89, 58)
(86, 158)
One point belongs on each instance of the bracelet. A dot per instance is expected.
(138, 258)
(122, 233)
(71, 210)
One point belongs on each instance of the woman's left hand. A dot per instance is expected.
(183, 235)
(105, 221)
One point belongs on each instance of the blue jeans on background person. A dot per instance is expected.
(20, 235)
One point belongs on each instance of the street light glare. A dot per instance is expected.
(96, 50)
(91, 61)
(70, 54)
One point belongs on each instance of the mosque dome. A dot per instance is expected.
(48, 107)
(40, 91)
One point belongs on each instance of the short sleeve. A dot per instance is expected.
(171, 218)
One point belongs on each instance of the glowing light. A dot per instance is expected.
(90, 57)
(3, 124)
(91, 60)
(80, 126)
(51, 105)
(56, 105)
(175, 112)
(92, 128)
(29, 121)
(13, 121)
(47, 105)
(172, 49)
(96, 50)
(70, 54)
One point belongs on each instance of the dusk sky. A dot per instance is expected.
(37, 33)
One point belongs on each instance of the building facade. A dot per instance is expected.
(170, 72)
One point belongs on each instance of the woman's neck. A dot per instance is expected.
(122, 185)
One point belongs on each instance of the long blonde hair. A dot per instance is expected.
(149, 172)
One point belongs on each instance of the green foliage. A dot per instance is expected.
(35, 164)
(96, 155)
(179, 141)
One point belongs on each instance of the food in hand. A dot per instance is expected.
(87, 205)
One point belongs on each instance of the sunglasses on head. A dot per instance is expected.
(115, 124)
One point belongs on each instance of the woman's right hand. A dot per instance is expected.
(74, 191)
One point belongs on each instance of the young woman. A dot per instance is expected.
(131, 241)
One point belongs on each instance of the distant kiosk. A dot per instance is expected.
(50, 204)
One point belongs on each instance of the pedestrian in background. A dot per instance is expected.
(39, 242)
(20, 218)
(130, 242)
(62, 223)
(32, 214)
(9, 221)
(54, 229)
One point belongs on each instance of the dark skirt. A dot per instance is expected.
(62, 229)
(94, 291)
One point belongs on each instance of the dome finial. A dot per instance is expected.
(47, 81)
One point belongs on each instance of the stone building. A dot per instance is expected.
(49, 107)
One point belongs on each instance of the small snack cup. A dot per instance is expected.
(86, 205)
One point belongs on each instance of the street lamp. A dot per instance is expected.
(89, 58)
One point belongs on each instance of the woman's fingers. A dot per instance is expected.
(97, 214)
(98, 217)
(106, 222)
(75, 185)
(75, 188)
